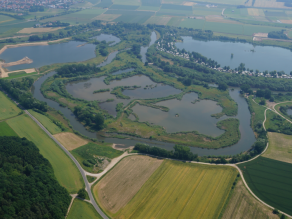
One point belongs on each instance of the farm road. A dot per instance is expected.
(92, 200)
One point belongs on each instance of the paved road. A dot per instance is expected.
(76, 163)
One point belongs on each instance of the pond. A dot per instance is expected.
(108, 38)
(289, 112)
(183, 115)
(259, 57)
(85, 89)
(48, 54)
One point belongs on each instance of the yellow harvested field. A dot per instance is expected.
(39, 30)
(106, 17)
(286, 21)
(260, 34)
(280, 147)
(70, 141)
(255, 12)
(189, 3)
(243, 205)
(180, 190)
(159, 20)
(122, 183)
(269, 4)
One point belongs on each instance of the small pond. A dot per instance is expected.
(289, 112)
(49, 54)
(108, 38)
(259, 57)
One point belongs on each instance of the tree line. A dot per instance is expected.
(20, 91)
(93, 120)
(28, 187)
(77, 70)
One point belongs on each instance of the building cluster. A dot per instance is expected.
(170, 48)
(26, 5)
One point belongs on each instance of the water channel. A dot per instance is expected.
(254, 57)
(113, 40)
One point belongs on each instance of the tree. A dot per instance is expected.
(245, 87)
(222, 86)
(99, 121)
(82, 193)
(276, 211)
(262, 102)
(283, 216)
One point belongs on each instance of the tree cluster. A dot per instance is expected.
(19, 90)
(278, 35)
(28, 187)
(77, 70)
(95, 121)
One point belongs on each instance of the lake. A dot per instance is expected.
(49, 54)
(108, 38)
(263, 58)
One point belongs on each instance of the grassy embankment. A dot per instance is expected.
(81, 209)
(90, 155)
(280, 147)
(65, 170)
(243, 205)
(6, 130)
(177, 189)
(8, 109)
(271, 181)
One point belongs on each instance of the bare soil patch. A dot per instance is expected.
(286, 21)
(189, 3)
(121, 184)
(260, 34)
(39, 30)
(69, 140)
(25, 60)
(243, 205)
(51, 94)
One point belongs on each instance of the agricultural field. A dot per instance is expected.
(127, 2)
(39, 30)
(148, 8)
(12, 27)
(227, 2)
(271, 181)
(4, 18)
(105, 4)
(131, 16)
(46, 122)
(65, 170)
(152, 3)
(7, 108)
(178, 190)
(69, 140)
(95, 157)
(280, 147)
(122, 183)
(243, 205)
(6, 130)
(159, 20)
(81, 209)
(193, 23)
(124, 7)
(255, 12)
(106, 17)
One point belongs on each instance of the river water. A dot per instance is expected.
(255, 57)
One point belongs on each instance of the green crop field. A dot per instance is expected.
(52, 128)
(127, 2)
(19, 74)
(91, 150)
(181, 190)
(6, 130)
(81, 209)
(124, 7)
(153, 3)
(175, 21)
(4, 18)
(193, 23)
(131, 16)
(65, 170)
(148, 8)
(271, 181)
(7, 108)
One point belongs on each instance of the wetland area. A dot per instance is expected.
(187, 114)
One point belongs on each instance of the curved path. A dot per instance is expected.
(117, 159)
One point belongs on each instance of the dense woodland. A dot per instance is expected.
(20, 91)
(28, 187)
(94, 121)
(77, 70)
(278, 35)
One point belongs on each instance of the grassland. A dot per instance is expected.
(6, 130)
(243, 205)
(94, 157)
(7, 108)
(82, 210)
(257, 113)
(271, 181)
(280, 147)
(46, 122)
(180, 190)
(70, 141)
(19, 74)
(65, 170)
(121, 184)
